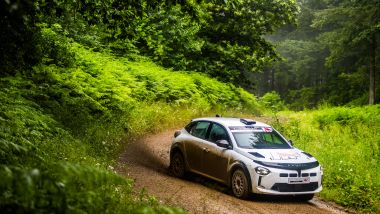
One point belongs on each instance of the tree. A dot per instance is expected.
(221, 38)
(17, 36)
(351, 29)
(330, 56)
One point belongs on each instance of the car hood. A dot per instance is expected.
(279, 155)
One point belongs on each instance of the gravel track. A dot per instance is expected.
(146, 160)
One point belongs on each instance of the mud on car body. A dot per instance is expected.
(248, 156)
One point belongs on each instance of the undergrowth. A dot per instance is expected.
(61, 128)
(347, 143)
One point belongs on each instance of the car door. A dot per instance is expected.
(195, 145)
(215, 158)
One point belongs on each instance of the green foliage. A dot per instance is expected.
(349, 26)
(52, 46)
(348, 116)
(37, 156)
(304, 98)
(18, 36)
(221, 38)
(272, 101)
(328, 57)
(147, 82)
(62, 124)
(233, 37)
(174, 23)
(346, 142)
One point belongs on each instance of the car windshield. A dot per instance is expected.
(260, 140)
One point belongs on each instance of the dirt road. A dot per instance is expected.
(147, 162)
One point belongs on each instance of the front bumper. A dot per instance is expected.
(277, 182)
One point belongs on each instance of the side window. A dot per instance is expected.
(200, 129)
(217, 133)
(190, 126)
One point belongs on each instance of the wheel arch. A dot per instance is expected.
(177, 148)
(242, 166)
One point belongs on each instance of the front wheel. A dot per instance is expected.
(239, 183)
(177, 165)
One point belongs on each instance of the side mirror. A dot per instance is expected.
(291, 142)
(223, 144)
(176, 133)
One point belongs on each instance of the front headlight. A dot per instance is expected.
(262, 170)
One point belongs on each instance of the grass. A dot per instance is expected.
(61, 128)
(346, 140)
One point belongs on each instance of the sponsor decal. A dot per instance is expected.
(285, 155)
(267, 129)
(305, 180)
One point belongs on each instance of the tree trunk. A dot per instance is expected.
(272, 79)
(372, 65)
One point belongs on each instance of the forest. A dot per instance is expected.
(80, 79)
(309, 52)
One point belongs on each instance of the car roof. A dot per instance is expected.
(229, 121)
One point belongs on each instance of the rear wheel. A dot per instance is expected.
(306, 197)
(239, 184)
(177, 165)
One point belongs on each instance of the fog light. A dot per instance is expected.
(262, 171)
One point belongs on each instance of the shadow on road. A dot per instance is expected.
(225, 190)
(159, 161)
(147, 160)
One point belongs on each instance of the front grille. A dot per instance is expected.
(285, 175)
(283, 187)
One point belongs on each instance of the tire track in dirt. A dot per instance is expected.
(146, 160)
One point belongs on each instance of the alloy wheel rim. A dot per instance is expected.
(238, 183)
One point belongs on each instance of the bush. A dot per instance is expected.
(346, 142)
(61, 128)
(272, 101)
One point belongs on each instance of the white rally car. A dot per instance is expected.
(246, 155)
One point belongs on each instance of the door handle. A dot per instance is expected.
(206, 150)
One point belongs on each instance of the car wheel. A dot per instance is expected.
(306, 197)
(239, 183)
(177, 165)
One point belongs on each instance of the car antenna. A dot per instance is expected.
(218, 115)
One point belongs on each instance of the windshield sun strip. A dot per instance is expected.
(251, 128)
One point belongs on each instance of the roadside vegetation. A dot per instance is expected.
(80, 79)
(345, 140)
(62, 128)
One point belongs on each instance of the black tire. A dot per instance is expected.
(240, 184)
(177, 165)
(305, 197)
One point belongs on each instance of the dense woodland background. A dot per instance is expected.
(331, 55)
(80, 77)
(309, 52)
